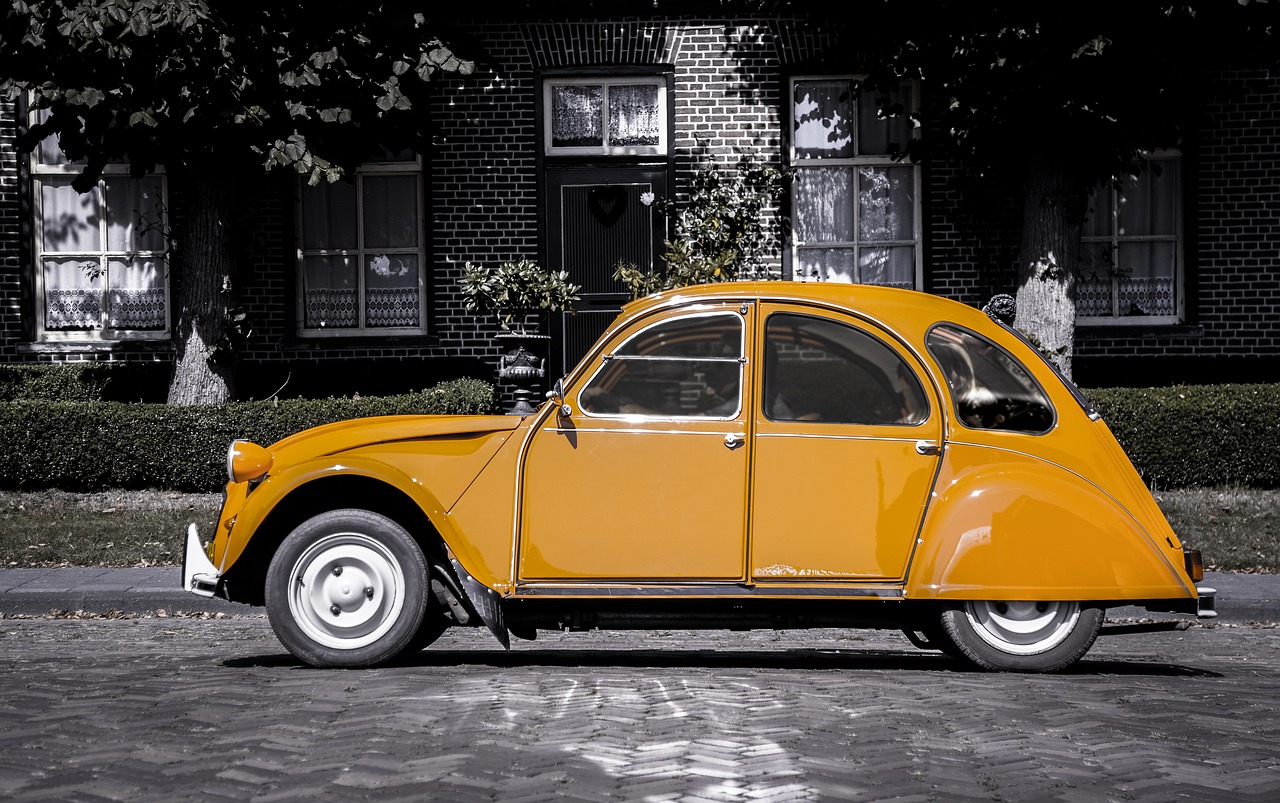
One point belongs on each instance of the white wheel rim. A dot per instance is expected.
(1023, 628)
(346, 591)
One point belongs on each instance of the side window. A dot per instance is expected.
(991, 389)
(817, 369)
(856, 202)
(101, 257)
(361, 252)
(685, 367)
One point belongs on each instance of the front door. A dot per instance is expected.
(646, 478)
(847, 445)
(597, 217)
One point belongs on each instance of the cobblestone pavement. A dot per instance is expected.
(161, 709)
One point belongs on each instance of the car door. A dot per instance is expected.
(646, 477)
(847, 441)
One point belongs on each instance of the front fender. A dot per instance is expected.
(276, 488)
(1025, 529)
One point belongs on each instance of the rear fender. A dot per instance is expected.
(1030, 530)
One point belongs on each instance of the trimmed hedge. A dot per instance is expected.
(1187, 436)
(1197, 435)
(89, 446)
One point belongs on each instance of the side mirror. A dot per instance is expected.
(557, 394)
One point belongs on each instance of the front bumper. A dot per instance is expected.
(199, 575)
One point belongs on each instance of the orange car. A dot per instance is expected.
(743, 455)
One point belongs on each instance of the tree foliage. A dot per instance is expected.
(214, 93)
(188, 83)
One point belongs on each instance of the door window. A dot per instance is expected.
(686, 367)
(821, 370)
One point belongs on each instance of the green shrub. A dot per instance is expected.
(87, 446)
(1197, 435)
(54, 381)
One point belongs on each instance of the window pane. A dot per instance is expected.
(707, 336)
(1093, 291)
(329, 292)
(391, 286)
(824, 205)
(69, 219)
(990, 389)
(827, 264)
(390, 211)
(890, 267)
(820, 370)
(329, 217)
(136, 298)
(1147, 206)
(634, 116)
(875, 135)
(72, 295)
(576, 115)
(1145, 280)
(686, 367)
(886, 198)
(823, 119)
(1098, 222)
(135, 214)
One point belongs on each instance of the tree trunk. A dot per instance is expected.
(1054, 204)
(202, 372)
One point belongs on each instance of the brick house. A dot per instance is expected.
(546, 154)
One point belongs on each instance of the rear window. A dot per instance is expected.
(989, 387)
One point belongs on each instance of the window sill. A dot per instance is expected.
(1148, 331)
(159, 347)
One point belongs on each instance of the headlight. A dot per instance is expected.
(247, 461)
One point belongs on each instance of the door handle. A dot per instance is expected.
(928, 448)
(733, 440)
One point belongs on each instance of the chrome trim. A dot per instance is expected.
(199, 575)
(1206, 599)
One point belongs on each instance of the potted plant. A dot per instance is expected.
(512, 291)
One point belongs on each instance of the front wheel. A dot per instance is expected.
(1015, 636)
(347, 588)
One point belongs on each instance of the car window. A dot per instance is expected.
(685, 367)
(817, 369)
(991, 389)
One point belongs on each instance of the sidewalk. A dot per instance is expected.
(1241, 597)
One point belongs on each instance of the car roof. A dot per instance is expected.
(911, 312)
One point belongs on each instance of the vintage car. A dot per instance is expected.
(731, 456)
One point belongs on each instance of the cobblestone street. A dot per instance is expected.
(152, 709)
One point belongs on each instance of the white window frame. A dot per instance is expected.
(605, 149)
(800, 163)
(41, 174)
(1116, 238)
(361, 254)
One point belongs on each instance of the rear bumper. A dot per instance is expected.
(199, 575)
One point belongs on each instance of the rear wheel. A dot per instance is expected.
(347, 588)
(1018, 636)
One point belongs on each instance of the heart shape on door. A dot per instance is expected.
(607, 204)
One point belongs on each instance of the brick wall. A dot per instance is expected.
(483, 196)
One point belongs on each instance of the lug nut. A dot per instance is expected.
(334, 609)
(337, 570)
(368, 592)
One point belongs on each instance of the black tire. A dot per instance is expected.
(1022, 636)
(347, 588)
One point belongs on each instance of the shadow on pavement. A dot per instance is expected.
(803, 659)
